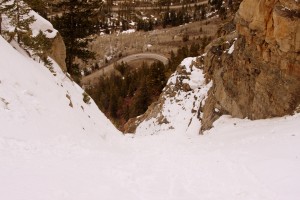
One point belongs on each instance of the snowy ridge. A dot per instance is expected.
(180, 111)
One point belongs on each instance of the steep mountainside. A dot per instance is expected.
(43, 107)
(255, 67)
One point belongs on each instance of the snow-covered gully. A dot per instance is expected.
(54, 146)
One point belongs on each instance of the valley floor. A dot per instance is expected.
(237, 159)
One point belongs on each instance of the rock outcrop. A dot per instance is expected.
(254, 67)
(58, 51)
(259, 77)
(178, 107)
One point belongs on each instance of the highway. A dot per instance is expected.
(93, 78)
(175, 7)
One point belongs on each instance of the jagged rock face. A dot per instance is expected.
(261, 77)
(58, 51)
(274, 21)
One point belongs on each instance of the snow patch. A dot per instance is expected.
(128, 31)
(231, 49)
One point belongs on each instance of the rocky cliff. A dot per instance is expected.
(260, 76)
(58, 51)
(254, 65)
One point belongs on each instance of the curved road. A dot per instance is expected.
(202, 2)
(93, 78)
(141, 56)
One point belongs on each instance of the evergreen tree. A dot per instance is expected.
(78, 21)
(216, 4)
(125, 25)
(173, 18)
(41, 44)
(113, 105)
(40, 6)
(156, 78)
(194, 50)
(19, 19)
(141, 100)
(150, 27)
(222, 12)
(203, 13)
(166, 19)
(180, 18)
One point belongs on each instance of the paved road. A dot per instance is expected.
(93, 78)
(116, 8)
(142, 56)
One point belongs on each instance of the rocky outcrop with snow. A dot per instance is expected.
(57, 49)
(178, 105)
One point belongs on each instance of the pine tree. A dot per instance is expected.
(113, 105)
(166, 19)
(141, 100)
(79, 20)
(150, 25)
(173, 18)
(156, 78)
(41, 44)
(203, 13)
(19, 19)
(194, 50)
(40, 6)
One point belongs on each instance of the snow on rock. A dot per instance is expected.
(180, 109)
(41, 24)
(231, 49)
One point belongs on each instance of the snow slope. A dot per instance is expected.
(34, 104)
(51, 151)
